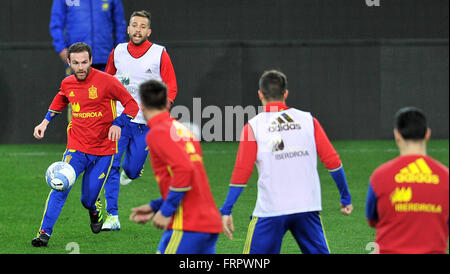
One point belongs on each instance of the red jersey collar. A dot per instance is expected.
(275, 106)
(161, 117)
(138, 50)
(413, 156)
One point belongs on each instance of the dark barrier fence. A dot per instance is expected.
(242, 20)
(352, 71)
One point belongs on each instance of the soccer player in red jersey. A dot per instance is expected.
(284, 143)
(92, 134)
(407, 201)
(186, 211)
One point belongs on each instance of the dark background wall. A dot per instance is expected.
(351, 65)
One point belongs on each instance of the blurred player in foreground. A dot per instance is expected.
(284, 143)
(92, 134)
(134, 63)
(407, 202)
(186, 212)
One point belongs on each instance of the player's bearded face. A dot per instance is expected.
(139, 30)
(80, 64)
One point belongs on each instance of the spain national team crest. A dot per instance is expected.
(93, 92)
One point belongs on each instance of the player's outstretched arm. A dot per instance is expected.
(39, 130)
(243, 168)
(142, 214)
(333, 163)
(58, 104)
(234, 192)
(339, 178)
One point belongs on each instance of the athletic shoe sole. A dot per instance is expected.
(97, 227)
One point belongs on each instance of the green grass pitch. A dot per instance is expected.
(24, 192)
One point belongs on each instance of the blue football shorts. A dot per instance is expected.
(187, 242)
(265, 234)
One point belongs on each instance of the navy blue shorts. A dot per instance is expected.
(265, 234)
(187, 242)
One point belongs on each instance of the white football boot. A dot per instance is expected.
(112, 223)
(124, 180)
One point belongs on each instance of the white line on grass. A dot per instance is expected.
(31, 154)
(206, 151)
(345, 150)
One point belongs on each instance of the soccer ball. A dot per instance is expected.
(60, 176)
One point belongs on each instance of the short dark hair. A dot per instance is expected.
(411, 123)
(273, 84)
(80, 47)
(143, 13)
(153, 94)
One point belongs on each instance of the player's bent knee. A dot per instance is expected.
(87, 204)
(132, 173)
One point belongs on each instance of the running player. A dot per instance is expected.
(133, 63)
(92, 134)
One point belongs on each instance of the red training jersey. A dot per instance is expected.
(177, 163)
(93, 103)
(167, 72)
(412, 204)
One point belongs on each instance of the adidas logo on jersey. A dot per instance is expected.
(417, 172)
(283, 123)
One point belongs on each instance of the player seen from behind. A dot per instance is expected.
(407, 201)
(284, 143)
(186, 210)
